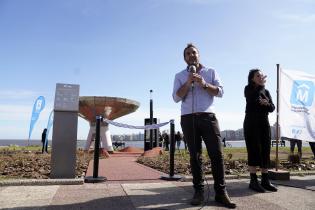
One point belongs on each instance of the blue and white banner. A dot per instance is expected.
(39, 105)
(296, 105)
(49, 125)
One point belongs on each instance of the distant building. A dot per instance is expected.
(229, 135)
(273, 130)
(239, 134)
(128, 137)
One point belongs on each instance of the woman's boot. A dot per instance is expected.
(265, 183)
(254, 184)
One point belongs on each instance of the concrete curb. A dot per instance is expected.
(80, 181)
(38, 182)
(246, 176)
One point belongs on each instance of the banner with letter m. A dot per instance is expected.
(297, 105)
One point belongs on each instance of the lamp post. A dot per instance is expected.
(151, 119)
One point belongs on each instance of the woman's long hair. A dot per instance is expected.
(251, 75)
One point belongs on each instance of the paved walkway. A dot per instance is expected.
(139, 187)
(122, 167)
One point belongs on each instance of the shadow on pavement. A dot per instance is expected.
(297, 183)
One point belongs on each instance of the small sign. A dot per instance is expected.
(67, 97)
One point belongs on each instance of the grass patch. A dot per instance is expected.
(22, 148)
(235, 161)
(29, 163)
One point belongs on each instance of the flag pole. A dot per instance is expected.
(278, 174)
(277, 123)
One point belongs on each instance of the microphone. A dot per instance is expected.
(192, 69)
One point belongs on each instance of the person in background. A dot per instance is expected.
(224, 142)
(44, 146)
(196, 86)
(178, 139)
(166, 141)
(298, 144)
(257, 130)
(185, 143)
(161, 140)
(312, 145)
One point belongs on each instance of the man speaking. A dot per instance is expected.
(195, 87)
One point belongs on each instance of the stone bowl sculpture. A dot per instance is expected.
(109, 107)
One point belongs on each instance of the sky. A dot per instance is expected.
(123, 48)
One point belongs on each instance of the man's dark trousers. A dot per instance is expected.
(204, 126)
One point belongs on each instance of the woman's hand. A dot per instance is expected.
(264, 102)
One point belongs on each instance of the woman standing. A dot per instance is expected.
(44, 143)
(257, 130)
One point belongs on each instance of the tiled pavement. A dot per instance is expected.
(133, 186)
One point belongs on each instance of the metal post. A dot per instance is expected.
(95, 177)
(151, 119)
(277, 126)
(172, 149)
(97, 147)
(171, 176)
(278, 174)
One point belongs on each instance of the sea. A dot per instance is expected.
(135, 143)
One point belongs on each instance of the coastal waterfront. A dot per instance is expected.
(139, 144)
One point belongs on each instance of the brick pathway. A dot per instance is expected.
(122, 167)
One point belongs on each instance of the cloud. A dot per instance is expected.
(15, 121)
(17, 94)
(13, 132)
(14, 112)
(199, 2)
(196, 2)
(19, 112)
(297, 18)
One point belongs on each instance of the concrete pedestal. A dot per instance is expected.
(64, 138)
(279, 175)
(64, 144)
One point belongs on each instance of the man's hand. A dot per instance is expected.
(199, 79)
(190, 78)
